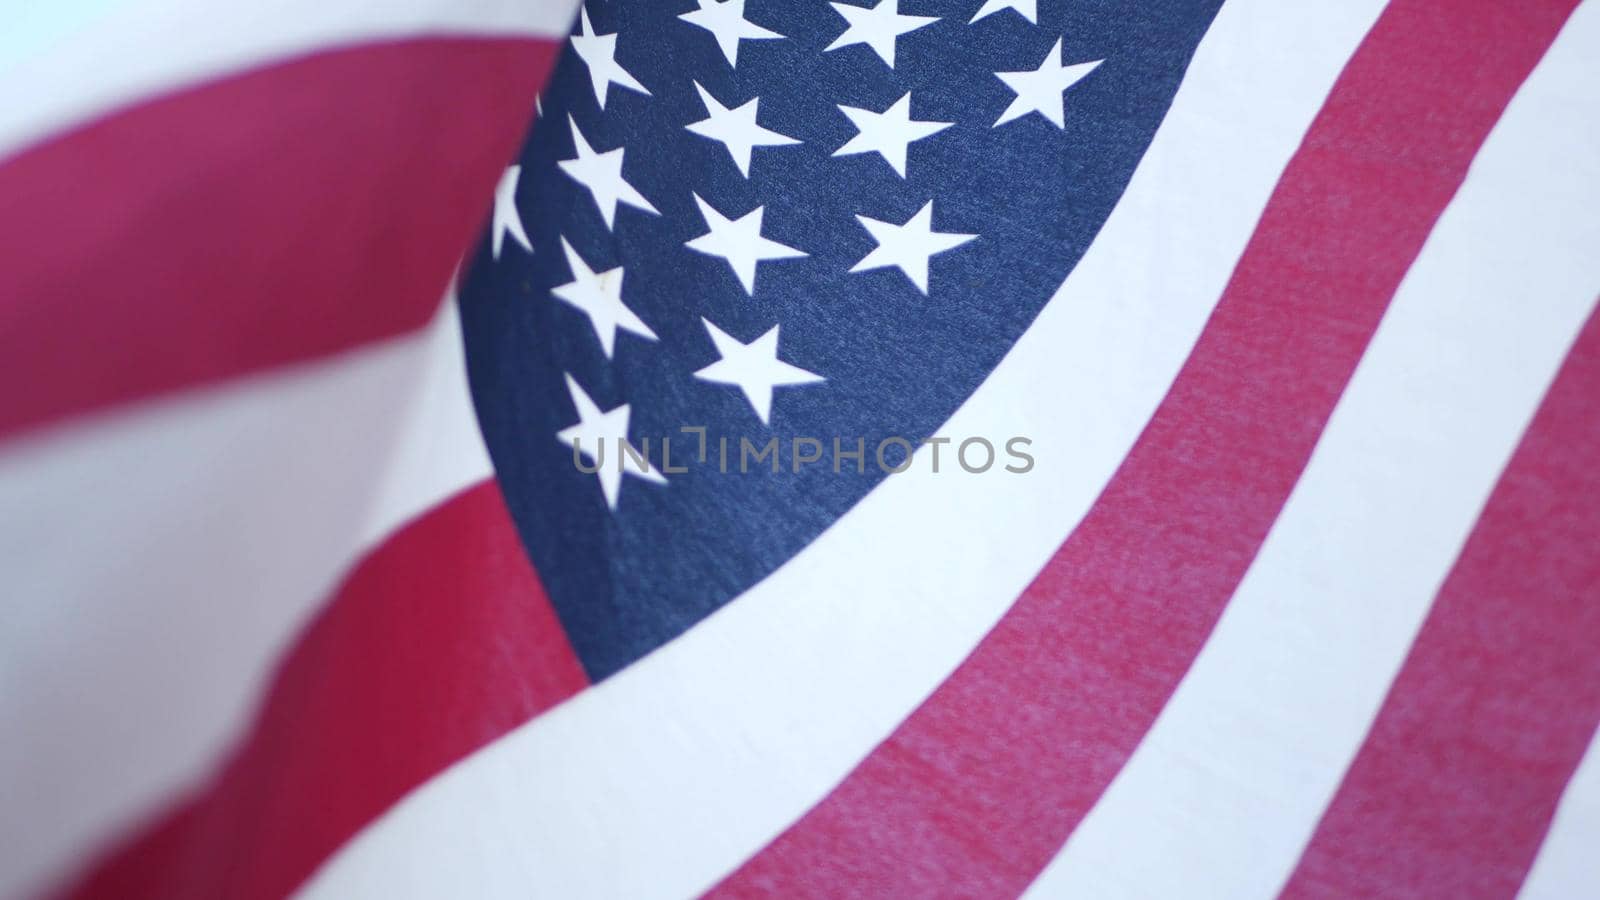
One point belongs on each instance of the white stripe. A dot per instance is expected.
(158, 561)
(440, 450)
(1225, 790)
(88, 64)
(1568, 865)
(663, 778)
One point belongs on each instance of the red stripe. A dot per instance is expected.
(274, 216)
(974, 793)
(439, 642)
(1460, 775)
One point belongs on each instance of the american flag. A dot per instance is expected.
(873, 448)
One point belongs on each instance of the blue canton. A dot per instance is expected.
(780, 218)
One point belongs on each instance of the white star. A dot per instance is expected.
(506, 218)
(1040, 89)
(754, 368)
(601, 173)
(876, 26)
(598, 437)
(887, 133)
(599, 53)
(736, 129)
(908, 246)
(599, 296)
(1028, 8)
(739, 241)
(726, 22)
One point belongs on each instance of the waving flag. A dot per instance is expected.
(880, 448)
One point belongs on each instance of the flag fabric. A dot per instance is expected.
(896, 448)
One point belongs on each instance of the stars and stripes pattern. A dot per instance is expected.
(307, 592)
